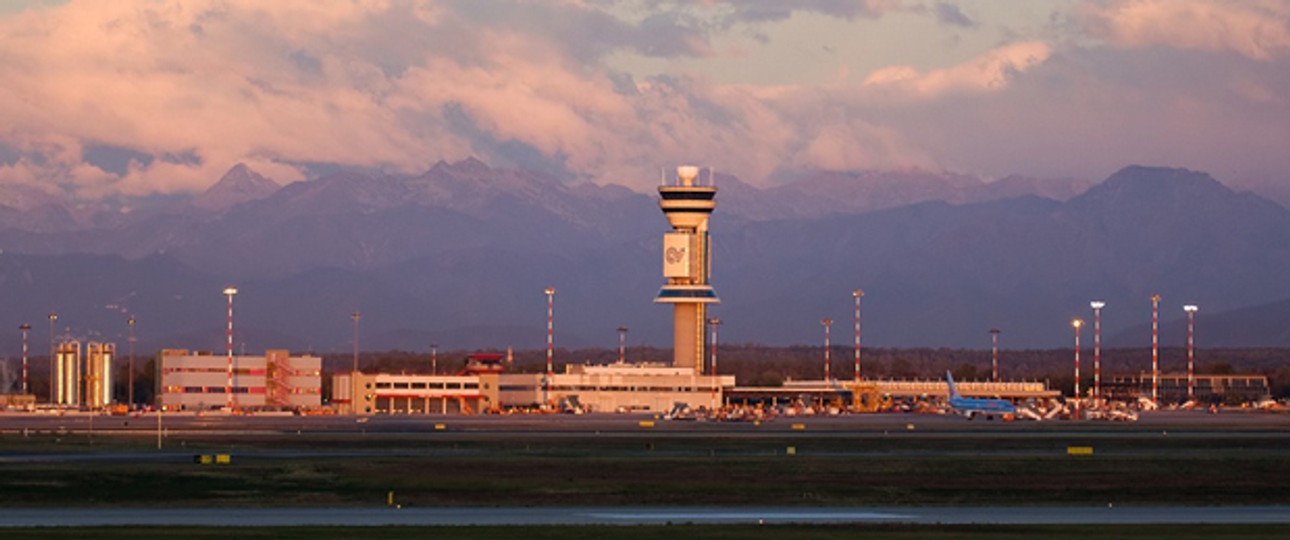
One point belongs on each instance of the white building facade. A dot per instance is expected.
(590, 388)
(277, 380)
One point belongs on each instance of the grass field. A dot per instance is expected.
(672, 532)
(661, 469)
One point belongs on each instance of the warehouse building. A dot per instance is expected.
(199, 381)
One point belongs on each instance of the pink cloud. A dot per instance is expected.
(988, 72)
(1258, 29)
(400, 85)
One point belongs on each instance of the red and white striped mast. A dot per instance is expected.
(129, 393)
(857, 294)
(1077, 323)
(550, 344)
(1155, 349)
(25, 327)
(1191, 350)
(994, 354)
(53, 358)
(828, 324)
(228, 383)
(1097, 306)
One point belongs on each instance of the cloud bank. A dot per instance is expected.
(137, 98)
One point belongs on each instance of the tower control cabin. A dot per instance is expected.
(687, 264)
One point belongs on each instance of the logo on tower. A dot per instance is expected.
(675, 255)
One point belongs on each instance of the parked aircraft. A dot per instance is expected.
(970, 407)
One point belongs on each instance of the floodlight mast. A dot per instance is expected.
(229, 292)
(1191, 350)
(994, 354)
(130, 385)
(1097, 306)
(24, 328)
(857, 294)
(355, 316)
(1077, 323)
(52, 357)
(828, 324)
(1155, 349)
(714, 323)
(550, 345)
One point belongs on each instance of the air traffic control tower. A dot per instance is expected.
(687, 264)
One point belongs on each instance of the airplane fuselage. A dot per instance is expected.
(970, 407)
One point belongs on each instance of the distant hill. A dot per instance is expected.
(941, 274)
(239, 185)
(860, 192)
(1264, 325)
(459, 256)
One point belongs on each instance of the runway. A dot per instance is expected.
(623, 424)
(529, 516)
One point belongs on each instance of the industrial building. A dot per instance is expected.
(98, 374)
(474, 389)
(199, 381)
(383, 393)
(83, 381)
(67, 374)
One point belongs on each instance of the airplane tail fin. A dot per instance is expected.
(954, 391)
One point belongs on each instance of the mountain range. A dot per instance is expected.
(460, 255)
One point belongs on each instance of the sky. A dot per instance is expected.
(139, 98)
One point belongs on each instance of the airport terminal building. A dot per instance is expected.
(483, 386)
(1172, 387)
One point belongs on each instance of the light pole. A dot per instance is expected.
(1077, 323)
(161, 406)
(714, 323)
(622, 343)
(1191, 350)
(355, 316)
(52, 357)
(353, 374)
(434, 358)
(1097, 306)
(828, 323)
(550, 344)
(857, 294)
(994, 354)
(1155, 349)
(24, 328)
(129, 393)
(230, 292)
